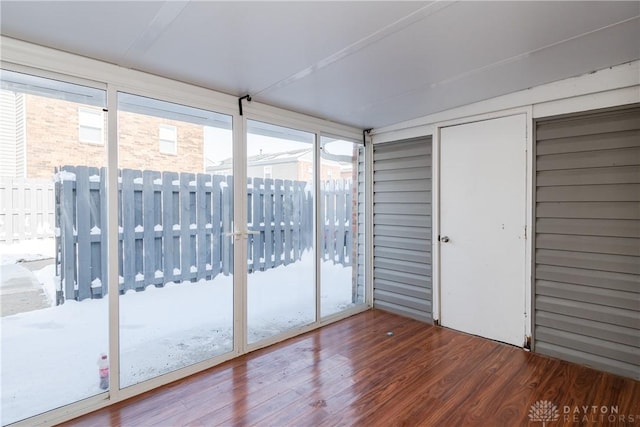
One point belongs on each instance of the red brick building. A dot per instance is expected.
(40, 133)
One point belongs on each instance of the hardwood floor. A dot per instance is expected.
(354, 373)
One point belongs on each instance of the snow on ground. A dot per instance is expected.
(49, 357)
(27, 250)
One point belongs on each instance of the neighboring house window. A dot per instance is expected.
(91, 125)
(168, 139)
(267, 172)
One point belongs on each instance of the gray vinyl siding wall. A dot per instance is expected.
(587, 242)
(402, 228)
(361, 216)
(12, 134)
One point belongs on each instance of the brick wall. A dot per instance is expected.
(52, 139)
(139, 146)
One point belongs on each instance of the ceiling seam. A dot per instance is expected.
(165, 16)
(390, 29)
(525, 54)
(488, 67)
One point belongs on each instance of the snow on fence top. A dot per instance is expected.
(178, 226)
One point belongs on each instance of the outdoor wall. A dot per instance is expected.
(402, 281)
(51, 137)
(587, 239)
(55, 141)
(189, 155)
(11, 134)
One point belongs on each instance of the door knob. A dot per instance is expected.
(444, 239)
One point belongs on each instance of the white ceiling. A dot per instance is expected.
(364, 63)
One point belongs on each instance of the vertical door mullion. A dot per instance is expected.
(317, 203)
(112, 230)
(239, 242)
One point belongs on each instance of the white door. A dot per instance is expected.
(482, 228)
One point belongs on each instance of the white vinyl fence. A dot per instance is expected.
(27, 209)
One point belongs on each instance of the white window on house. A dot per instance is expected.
(90, 125)
(168, 139)
(267, 172)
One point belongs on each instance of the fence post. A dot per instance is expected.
(340, 217)
(288, 216)
(256, 218)
(297, 218)
(203, 201)
(350, 221)
(268, 223)
(149, 224)
(194, 213)
(104, 236)
(129, 225)
(83, 232)
(68, 270)
(278, 221)
(168, 222)
(216, 222)
(187, 221)
(59, 259)
(227, 217)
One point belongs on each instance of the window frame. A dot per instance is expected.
(174, 130)
(22, 57)
(87, 111)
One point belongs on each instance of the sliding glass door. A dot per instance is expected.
(342, 214)
(201, 274)
(281, 283)
(175, 253)
(53, 240)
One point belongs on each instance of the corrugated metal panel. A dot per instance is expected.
(586, 260)
(589, 227)
(588, 124)
(402, 228)
(585, 193)
(605, 158)
(423, 233)
(587, 243)
(402, 174)
(589, 143)
(600, 176)
(583, 310)
(406, 208)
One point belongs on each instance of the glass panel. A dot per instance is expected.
(342, 221)
(168, 139)
(176, 282)
(91, 125)
(281, 280)
(53, 230)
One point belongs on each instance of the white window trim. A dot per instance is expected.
(93, 112)
(174, 131)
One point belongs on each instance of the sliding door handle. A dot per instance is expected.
(241, 234)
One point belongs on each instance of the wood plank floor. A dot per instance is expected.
(353, 373)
